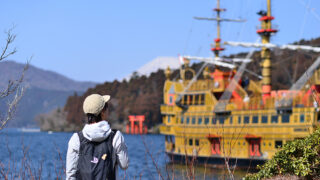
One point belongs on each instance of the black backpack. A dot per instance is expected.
(95, 159)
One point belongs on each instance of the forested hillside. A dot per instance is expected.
(141, 95)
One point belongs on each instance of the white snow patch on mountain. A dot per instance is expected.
(156, 64)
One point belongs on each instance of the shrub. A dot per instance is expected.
(300, 157)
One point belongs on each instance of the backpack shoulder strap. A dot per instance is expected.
(80, 135)
(113, 131)
(82, 140)
(109, 143)
(111, 136)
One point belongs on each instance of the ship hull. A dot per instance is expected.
(214, 161)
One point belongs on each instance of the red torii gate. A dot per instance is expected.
(135, 129)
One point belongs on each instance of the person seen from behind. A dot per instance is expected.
(97, 150)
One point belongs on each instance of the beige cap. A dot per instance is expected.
(94, 103)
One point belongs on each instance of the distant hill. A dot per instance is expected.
(39, 78)
(46, 90)
(37, 101)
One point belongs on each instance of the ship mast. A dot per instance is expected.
(265, 32)
(216, 50)
(217, 45)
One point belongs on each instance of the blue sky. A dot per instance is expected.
(103, 40)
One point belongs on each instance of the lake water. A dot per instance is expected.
(39, 154)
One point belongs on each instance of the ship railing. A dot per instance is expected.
(298, 100)
(301, 100)
(248, 104)
(166, 130)
(304, 101)
(203, 84)
(270, 103)
(167, 109)
(201, 108)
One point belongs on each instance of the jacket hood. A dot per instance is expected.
(96, 132)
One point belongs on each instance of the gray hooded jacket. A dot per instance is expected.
(96, 132)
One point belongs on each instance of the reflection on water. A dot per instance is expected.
(147, 157)
(180, 171)
(149, 161)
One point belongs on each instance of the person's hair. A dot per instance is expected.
(93, 118)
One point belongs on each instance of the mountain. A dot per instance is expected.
(46, 90)
(37, 101)
(39, 78)
(159, 63)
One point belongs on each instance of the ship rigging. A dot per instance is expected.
(224, 119)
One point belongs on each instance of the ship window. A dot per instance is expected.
(285, 118)
(214, 121)
(254, 147)
(221, 120)
(166, 138)
(190, 99)
(182, 119)
(274, 119)
(200, 120)
(196, 142)
(302, 118)
(278, 144)
(206, 120)
(202, 99)
(190, 142)
(264, 119)
(196, 100)
(169, 119)
(215, 146)
(170, 99)
(239, 120)
(185, 99)
(193, 120)
(188, 120)
(255, 119)
(246, 120)
(230, 120)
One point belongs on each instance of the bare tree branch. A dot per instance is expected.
(5, 50)
(14, 86)
(12, 107)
